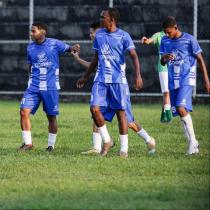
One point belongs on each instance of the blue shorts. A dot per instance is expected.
(112, 95)
(109, 113)
(50, 99)
(181, 97)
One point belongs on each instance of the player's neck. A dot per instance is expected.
(41, 40)
(113, 28)
(178, 34)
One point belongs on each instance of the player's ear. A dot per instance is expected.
(175, 27)
(43, 32)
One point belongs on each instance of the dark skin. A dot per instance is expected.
(174, 33)
(110, 24)
(39, 36)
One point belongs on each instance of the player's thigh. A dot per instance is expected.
(163, 77)
(184, 97)
(99, 95)
(117, 96)
(30, 100)
(50, 99)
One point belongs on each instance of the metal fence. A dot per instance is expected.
(111, 3)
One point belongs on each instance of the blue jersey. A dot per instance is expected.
(111, 48)
(44, 61)
(181, 70)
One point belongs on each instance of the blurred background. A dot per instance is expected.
(69, 20)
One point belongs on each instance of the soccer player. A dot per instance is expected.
(43, 59)
(180, 51)
(166, 115)
(110, 84)
(109, 114)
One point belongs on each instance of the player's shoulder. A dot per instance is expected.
(188, 36)
(159, 33)
(122, 32)
(101, 32)
(165, 39)
(52, 40)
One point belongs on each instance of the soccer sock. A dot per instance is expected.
(124, 143)
(104, 134)
(51, 139)
(167, 107)
(189, 127)
(185, 130)
(142, 133)
(26, 137)
(97, 140)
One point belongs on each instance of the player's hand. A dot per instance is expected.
(143, 39)
(75, 54)
(168, 57)
(75, 48)
(138, 83)
(81, 82)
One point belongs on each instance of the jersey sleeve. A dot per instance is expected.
(195, 47)
(62, 47)
(155, 37)
(128, 42)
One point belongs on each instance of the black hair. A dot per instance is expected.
(169, 22)
(40, 25)
(95, 25)
(114, 13)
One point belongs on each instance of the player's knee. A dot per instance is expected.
(24, 113)
(182, 111)
(94, 110)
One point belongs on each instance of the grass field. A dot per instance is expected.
(65, 179)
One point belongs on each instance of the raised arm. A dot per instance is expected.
(204, 71)
(94, 62)
(138, 80)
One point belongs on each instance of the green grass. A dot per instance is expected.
(65, 179)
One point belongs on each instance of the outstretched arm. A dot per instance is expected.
(145, 40)
(81, 82)
(138, 80)
(84, 63)
(204, 71)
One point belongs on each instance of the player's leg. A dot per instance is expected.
(123, 131)
(166, 115)
(108, 115)
(50, 100)
(97, 141)
(52, 132)
(29, 104)
(150, 141)
(184, 106)
(133, 125)
(99, 99)
(118, 101)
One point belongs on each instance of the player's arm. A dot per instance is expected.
(145, 40)
(138, 79)
(84, 63)
(204, 71)
(94, 62)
